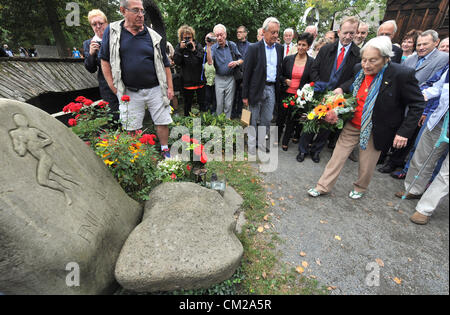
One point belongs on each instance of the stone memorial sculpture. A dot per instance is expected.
(63, 217)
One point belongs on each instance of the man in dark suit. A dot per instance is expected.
(389, 28)
(261, 81)
(331, 69)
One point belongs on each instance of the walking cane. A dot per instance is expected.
(442, 138)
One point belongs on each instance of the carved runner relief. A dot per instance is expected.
(28, 139)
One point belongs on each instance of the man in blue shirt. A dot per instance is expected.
(261, 82)
(135, 63)
(221, 55)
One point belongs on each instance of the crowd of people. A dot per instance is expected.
(401, 90)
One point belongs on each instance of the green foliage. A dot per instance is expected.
(88, 130)
(27, 23)
(203, 15)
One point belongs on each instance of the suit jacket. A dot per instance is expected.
(398, 53)
(434, 62)
(399, 90)
(255, 72)
(324, 62)
(288, 66)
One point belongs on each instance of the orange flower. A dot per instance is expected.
(320, 109)
(339, 102)
(329, 107)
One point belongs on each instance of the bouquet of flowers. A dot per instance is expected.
(329, 113)
(301, 98)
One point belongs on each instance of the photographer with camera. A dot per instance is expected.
(189, 56)
(98, 21)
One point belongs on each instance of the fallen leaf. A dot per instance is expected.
(281, 198)
(337, 237)
(266, 226)
(257, 278)
(253, 180)
(283, 209)
(313, 277)
(261, 229)
(264, 275)
(266, 217)
(330, 288)
(305, 264)
(409, 259)
(300, 270)
(390, 204)
(238, 171)
(318, 262)
(379, 262)
(323, 222)
(303, 254)
(397, 280)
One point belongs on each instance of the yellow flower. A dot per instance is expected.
(108, 162)
(102, 144)
(311, 116)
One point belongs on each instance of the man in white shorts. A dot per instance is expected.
(135, 63)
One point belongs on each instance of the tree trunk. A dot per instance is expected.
(55, 26)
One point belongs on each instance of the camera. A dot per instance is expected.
(99, 43)
(211, 39)
(187, 42)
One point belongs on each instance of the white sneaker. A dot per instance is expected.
(314, 193)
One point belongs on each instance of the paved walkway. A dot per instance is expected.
(371, 233)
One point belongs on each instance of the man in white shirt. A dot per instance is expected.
(289, 47)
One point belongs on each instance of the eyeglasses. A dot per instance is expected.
(136, 11)
(97, 24)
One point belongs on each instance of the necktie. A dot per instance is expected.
(287, 50)
(340, 58)
(419, 63)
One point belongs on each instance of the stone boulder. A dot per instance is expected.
(63, 217)
(185, 241)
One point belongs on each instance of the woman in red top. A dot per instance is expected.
(383, 90)
(295, 73)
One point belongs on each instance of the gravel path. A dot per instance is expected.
(346, 241)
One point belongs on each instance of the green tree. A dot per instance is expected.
(27, 23)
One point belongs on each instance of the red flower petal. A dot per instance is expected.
(125, 98)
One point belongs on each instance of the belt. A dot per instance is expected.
(270, 83)
(132, 89)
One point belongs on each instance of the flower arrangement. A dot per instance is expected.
(330, 113)
(172, 169)
(301, 98)
(132, 158)
(88, 117)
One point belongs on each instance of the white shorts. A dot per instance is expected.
(132, 114)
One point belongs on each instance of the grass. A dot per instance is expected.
(262, 271)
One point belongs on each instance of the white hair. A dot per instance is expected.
(268, 21)
(443, 41)
(389, 22)
(219, 26)
(382, 43)
(290, 30)
(312, 26)
(433, 34)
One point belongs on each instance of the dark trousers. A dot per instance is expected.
(398, 156)
(287, 118)
(317, 144)
(108, 96)
(237, 106)
(188, 96)
(210, 98)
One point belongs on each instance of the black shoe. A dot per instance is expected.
(301, 157)
(332, 144)
(387, 168)
(315, 157)
(284, 147)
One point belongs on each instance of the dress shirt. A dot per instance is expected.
(271, 57)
